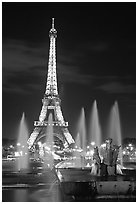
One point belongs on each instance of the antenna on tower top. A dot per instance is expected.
(52, 23)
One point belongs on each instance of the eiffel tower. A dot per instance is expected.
(51, 104)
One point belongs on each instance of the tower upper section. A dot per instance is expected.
(51, 86)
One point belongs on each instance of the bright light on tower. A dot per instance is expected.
(39, 143)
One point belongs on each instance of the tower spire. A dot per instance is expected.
(53, 23)
(51, 87)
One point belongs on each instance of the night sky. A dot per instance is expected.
(96, 60)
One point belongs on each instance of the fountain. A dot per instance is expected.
(22, 147)
(79, 152)
(114, 131)
(82, 135)
(78, 141)
(48, 145)
(94, 126)
(82, 130)
(76, 154)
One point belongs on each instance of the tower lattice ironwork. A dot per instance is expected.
(51, 104)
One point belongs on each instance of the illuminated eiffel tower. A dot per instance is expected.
(51, 104)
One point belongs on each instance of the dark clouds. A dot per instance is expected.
(25, 65)
(116, 87)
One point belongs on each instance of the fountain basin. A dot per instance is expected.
(84, 186)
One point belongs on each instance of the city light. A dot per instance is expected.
(92, 143)
(130, 145)
(17, 154)
(92, 152)
(103, 145)
(124, 152)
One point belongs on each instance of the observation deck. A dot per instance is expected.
(54, 123)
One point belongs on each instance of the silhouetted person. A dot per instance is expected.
(115, 156)
(97, 162)
(107, 167)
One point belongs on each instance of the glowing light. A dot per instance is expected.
(33, 136)
(92, 152)
(17, 154)
(103, 145)
(51, 77)
(18, 144)
(92, 143)
(51, 93)
(59, 175)
(59, 115)
(88, 165)
(48, 148)
(124, 152)
(43, 113)
(68, 137)
(39, 143)
(88, 147)
(130, 145)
